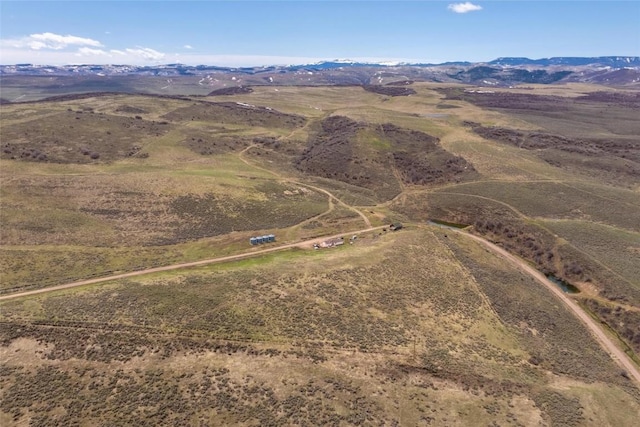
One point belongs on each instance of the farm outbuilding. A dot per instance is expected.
(267, 238)
(332, 243)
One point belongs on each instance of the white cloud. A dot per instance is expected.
(55, 49)
(84, 55)
(132, 56)
(87, 51)
(49, 41)
(463, 7)
(146, 53)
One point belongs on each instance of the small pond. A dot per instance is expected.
(562, 284)
(446, 224)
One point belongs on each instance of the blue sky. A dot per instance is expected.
(242, 33)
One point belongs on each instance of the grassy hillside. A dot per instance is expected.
(410, 327)
(413, 327)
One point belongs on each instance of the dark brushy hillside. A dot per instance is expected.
(380, 158)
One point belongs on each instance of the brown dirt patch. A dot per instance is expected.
(236, 90)
(130, 110)
(389, 90)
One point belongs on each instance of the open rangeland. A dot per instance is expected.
(412, 327)
(415, 327)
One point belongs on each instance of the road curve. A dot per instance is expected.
(293, 181)
(616, 354)
(183, 265)
(619, 356)
(351, 208)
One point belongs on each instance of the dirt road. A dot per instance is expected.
(619, 356)
(340, 202)
(616, 354)
(313, 187)
(305, 243)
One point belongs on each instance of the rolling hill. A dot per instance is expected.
(420, 326)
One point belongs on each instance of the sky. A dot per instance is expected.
(253, 33)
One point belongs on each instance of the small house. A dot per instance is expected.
(332, 243)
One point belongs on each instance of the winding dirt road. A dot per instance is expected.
(313, 187)
(619, 356)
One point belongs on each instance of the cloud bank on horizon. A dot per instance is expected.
(465, 7)
(49, 41)
(56, 49)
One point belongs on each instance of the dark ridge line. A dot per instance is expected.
(85, 95)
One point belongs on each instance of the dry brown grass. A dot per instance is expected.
(407, 328)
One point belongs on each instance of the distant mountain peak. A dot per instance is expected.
(504, 71)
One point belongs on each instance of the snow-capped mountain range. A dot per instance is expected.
(611, 70)
(178, 69)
